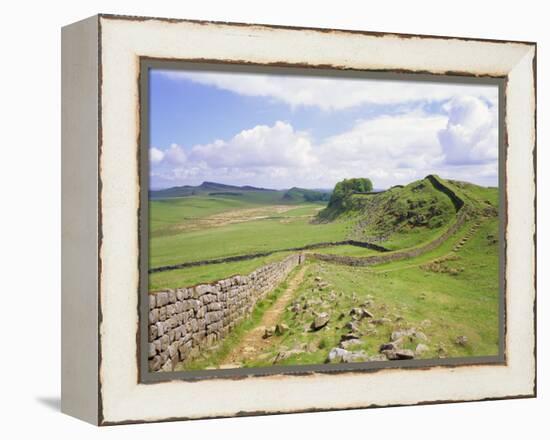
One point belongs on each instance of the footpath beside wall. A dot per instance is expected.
(184, 321)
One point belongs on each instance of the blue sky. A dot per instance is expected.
(282, 131)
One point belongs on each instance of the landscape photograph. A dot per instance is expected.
(301, 219)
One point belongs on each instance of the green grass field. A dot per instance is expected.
(448, 292)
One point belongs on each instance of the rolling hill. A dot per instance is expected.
(247, 192)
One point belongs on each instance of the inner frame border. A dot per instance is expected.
(202, 65)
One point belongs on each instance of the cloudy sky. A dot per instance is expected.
(282, 131)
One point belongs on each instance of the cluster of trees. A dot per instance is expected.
(344, 189)
(309, 195)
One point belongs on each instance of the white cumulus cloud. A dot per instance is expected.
(332, 93)
(155, 155)
(461, 143)
(471, 134)
(260, 146)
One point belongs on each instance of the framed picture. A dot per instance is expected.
(262, 219)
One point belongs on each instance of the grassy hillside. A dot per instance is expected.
(201, 227)
(405, 216)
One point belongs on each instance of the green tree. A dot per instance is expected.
(343, 190)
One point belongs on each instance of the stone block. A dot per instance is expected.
(211, 317)
(214, 306)
(182, 294)
(173, 352)
(200, 312)
(160, 328)
(170, 310)
(152, 302)
(171, 335)
(153, 316)
(187, 305)
(153, 332)
(168, 366)
(172, 297)
(162, 299)
(154, 364)
(164, 342)
(162, 313)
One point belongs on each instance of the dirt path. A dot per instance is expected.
(253, 342)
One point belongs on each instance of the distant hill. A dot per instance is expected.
(205, 188)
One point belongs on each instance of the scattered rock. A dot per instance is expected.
(404, 354)
(342, 355)
(336, 354)
(281, 329)
(461, 340)
(320, 321)
(359, 356)
(421, 349)
(286, 354)
(381, 321)
(296, 307)
(410, 333)
(352, 326)
(367, 314)
(349, 337)
(389, 346)
(390, 355)
(269, 331)
(400, 334)
(359, 313)
(318, 279)
(349, 343)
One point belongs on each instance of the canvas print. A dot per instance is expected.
(320, 220)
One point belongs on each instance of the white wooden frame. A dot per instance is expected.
(101, 196)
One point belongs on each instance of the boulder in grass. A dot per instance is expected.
(349, 343)
(461, 340)
(352, 326)
(404, 354)
(398, 354)
(320, 321)
(337, 354)
(268, 332)
(389, 346)
(349, 336)
(355, 356)
(281, 329)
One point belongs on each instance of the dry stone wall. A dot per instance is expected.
(397, 255)
(184, 321)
